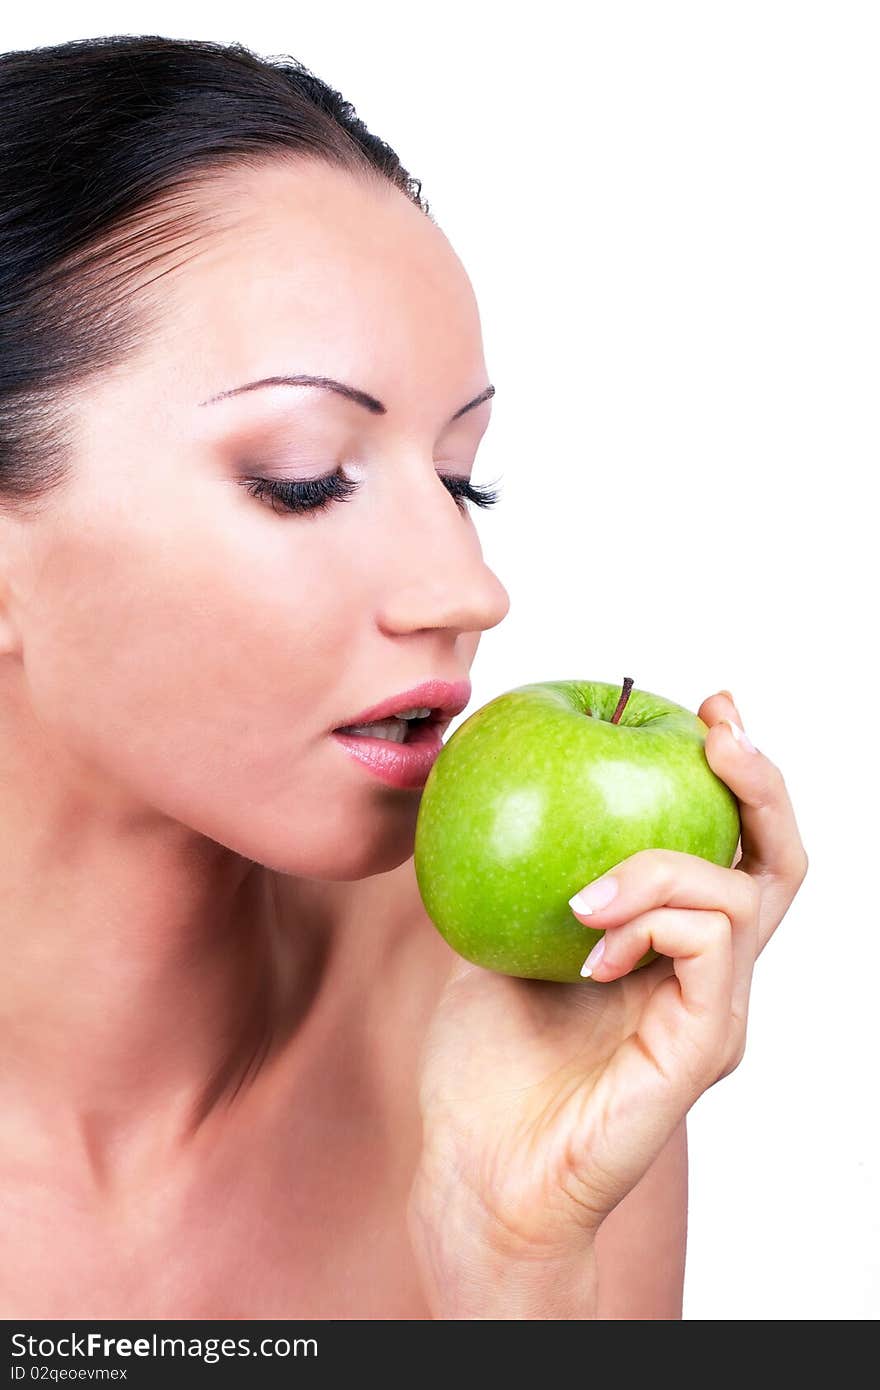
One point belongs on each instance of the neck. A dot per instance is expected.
(152, 980)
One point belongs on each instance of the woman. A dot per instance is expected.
(243, 1076)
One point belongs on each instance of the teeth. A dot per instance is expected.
(394, 729)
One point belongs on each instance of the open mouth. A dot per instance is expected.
(397, 730)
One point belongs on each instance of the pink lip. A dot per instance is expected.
(401, 764)
(445, 698)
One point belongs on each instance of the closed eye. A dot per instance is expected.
(313, 495)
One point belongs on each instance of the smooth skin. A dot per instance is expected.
(219, 980)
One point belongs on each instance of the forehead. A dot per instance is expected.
(323, 261)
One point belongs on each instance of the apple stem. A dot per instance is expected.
(624, 696)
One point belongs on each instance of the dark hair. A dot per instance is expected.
(103, 144)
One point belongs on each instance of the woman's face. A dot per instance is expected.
(187, 646)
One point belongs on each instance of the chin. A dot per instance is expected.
(334, 862)
(374, 858)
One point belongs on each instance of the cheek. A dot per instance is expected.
(201, 679)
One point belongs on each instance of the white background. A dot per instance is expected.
(669, 213)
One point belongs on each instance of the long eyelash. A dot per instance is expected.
(313, 495)
(463, 489)
(310, 495)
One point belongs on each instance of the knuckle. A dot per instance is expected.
(773, 781)
(734, 1058)
(739, 1051)
(716, 1065)
(750, 889)
(795, 870)
(657, 866)
(649, 857)
(719, 926)
(670, 864)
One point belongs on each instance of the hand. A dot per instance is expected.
(543, 1104)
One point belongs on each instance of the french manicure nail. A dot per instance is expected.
(593, 959)
(739, 735)
(596, 895)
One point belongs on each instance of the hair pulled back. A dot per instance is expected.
(105, 144)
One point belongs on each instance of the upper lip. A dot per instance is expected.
(445, 699)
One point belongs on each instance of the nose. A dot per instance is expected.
(436, 576)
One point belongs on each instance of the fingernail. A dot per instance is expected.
(740, 737)
(593, 958)
(596, 895)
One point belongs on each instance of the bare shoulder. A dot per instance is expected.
(641, 1246)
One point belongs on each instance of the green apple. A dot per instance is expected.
(542, 790)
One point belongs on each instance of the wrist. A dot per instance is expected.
(524, 1290)
(470, 1269)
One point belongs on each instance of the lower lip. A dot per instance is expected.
(399, 764)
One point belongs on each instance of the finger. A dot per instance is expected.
(677, 1050)
(720, 706)
(700, 944)
(666, 878)
(715, 707)
(621, 948)
(771, 841)
(655, 878)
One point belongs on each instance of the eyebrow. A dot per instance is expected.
(351, 393)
